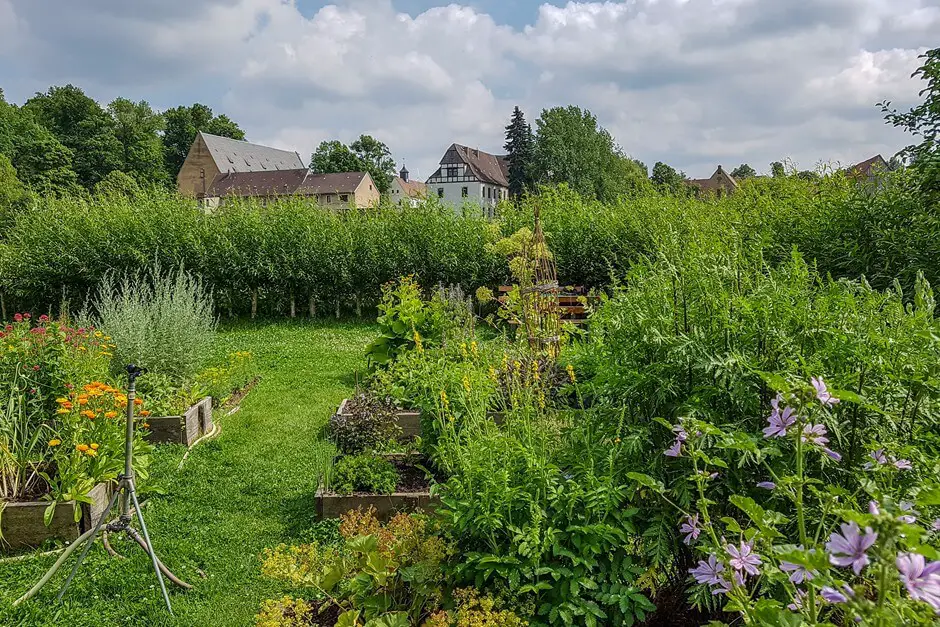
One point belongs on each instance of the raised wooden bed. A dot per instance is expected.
(185, 429)
(571, 302)
(23, 526)
(332, 505)
(408, 421)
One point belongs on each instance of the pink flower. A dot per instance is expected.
(849, 548)
(779, 421)
(44, 318)
(744, 558)
(822, 393)
(690, 528)
(17, 317)
(709, 573)
(922, 580)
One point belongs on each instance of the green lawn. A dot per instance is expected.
(251, 488)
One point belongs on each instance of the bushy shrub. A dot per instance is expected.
(163, 321)
(369, 421)
(363, 473)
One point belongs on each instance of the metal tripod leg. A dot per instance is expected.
(153, 555)
(88, 543)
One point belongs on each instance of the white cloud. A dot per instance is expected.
(690, 82)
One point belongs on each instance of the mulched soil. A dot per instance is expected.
(238, 395)
(327, 617)
(411, 479)
(673, 610)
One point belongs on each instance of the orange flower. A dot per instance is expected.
(89, 414)
(144, 412)
(146, 425)
(67, 405)
(137, 401)
(82, 448)
(110, 414)
(82, 400)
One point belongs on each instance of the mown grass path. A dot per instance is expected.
(251, 488)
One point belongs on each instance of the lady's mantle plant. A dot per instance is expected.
(825, 554)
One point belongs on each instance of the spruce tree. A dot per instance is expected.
(519, 149)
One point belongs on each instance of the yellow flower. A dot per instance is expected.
(473, 348)
(107, 338)
(91, 453)
(517, 365)
(61, 401)
(94, 446)
(466, 383)
(61, 410)
(463, 349)
(570, 370)
(89, 414)
(82, 348)
(55, 442)
(418, 343)
(99, 334)
(82, 448)
(110, 414)
(535, 371)
(616, 440)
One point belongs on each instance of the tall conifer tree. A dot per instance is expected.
(520, 151)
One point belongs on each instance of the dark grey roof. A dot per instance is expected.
(233, 155)
(339, 183)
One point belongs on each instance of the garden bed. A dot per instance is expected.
(185, 429)
(23, 526)
(411, 494)
(409, 421)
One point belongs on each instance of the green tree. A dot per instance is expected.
(777, 170)
(377, 159)
(335, 156)
(668, 180)
(117, 183)
(571, 147)
(923, 121)
(82, 126)
(137, 127)
(180, 127)
(13, 194)
(743, 171)
(41, 162)
(520, 152)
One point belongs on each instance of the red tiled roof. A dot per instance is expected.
(284, 183)
(413, 189)
(864, 169)
(338, 183)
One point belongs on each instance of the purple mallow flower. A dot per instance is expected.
(822, 393)
(767, 485)
(903, 464)
(922, 580)
(690, 528)
(709, 573)
(849, 548)
(873, 508)
(798, 574)
(779, 421)
(675, 450)
(816, 435)
(797, 604)
(935, 525)
(879, 457)
(836, 596)
(744, 558)
(910, 518)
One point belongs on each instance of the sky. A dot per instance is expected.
(693, 83)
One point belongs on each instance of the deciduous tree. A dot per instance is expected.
(137, 127)
(181, 125)
(743, 171)
(377, 159)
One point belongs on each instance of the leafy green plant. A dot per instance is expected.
(404, 322)
(363, 473)
(367, 423)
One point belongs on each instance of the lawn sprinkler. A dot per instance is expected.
(128, 495)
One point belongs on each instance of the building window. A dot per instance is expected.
(440, 192)
(452, 172)
(344, 197)
(464, 192)
(329, 199)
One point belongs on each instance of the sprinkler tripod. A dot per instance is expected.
(128, 495)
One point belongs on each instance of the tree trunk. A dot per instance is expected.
(254, 303)
(3, 307)
(313, 307)
(358, 306)
(337, 309)
(293, 305)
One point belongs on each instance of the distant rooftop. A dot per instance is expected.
(233, 155)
